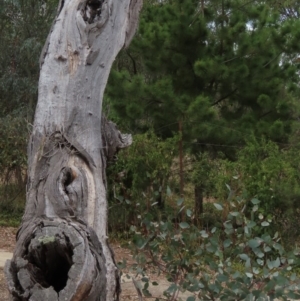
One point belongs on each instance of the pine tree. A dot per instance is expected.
(225, 69)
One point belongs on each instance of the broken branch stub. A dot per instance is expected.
(62, 251)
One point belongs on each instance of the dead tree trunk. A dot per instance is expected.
(62, 251)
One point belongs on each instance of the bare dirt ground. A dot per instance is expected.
(7, 243)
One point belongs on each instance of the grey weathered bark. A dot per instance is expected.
(62, 251)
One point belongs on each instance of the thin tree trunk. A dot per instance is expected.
(159, 196)
(62, 251)
(181, 171)
(198, 204)
(181, 160)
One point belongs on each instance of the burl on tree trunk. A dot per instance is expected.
(62, 251)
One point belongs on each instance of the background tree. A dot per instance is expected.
(23, 28)
(225, 69)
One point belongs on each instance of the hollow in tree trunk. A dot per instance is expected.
(62, 251)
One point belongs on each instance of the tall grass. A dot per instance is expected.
(12, 204)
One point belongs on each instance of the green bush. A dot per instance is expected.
(12, 204)
(239, 259)
(13, 142)
(139, 179)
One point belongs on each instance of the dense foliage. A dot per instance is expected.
(24, 25)
(221, 67)
(238, 259)
(224, 70)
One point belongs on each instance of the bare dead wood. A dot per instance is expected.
(62, 251)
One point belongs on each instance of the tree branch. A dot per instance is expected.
(226, 96)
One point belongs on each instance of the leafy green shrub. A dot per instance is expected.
(12, 204)
(10, 219)
(13, 143)
(13, 164)
(210, 216)
(139, 179)
(262, 169)
(270, 173)
(240, 259)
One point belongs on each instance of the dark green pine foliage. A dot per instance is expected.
(226, 69)
(286, 8)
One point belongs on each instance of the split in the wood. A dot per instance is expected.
(66, 177)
